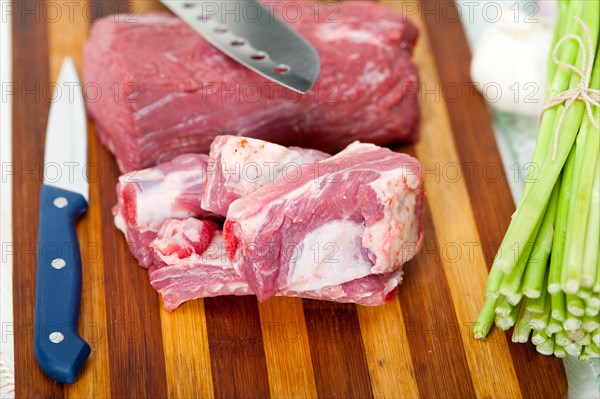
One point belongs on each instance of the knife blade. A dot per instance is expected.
(249, 33)
(59, 350)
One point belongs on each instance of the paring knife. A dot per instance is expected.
(250, 34)
(59, 350)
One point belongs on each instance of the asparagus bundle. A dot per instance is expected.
(545, 280)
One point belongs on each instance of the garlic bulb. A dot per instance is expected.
(510, 61)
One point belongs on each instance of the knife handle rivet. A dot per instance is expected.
(221, 29)
(56, 337)
(238, 42)
(58, 263)
(60, 202)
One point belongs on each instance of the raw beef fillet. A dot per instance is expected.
(146, 198)
(238, 166)
(191, 267)
(161, 90)
(353, 216)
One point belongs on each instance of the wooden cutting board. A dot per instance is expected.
(418, 345)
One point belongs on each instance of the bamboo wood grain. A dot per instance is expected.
(337, 350)
(236, 348)
(287, 350)
(142, 6)
(30, 114)
(185, 336)
(433, 333)
(66, 40)
(186, 351)
(137, 366)
(134, 329)
(95, 377)
(491, 369)
(491, 202)
(418, 345)
(390, 362)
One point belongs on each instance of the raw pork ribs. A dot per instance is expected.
(336, 228)
(353, 216)
(239, 166)
(182, 273)
(146, 198)
(158, 89)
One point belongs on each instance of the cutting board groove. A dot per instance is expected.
(418, 345)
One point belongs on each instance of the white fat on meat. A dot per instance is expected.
(394, 239)
(156, 191)
(367, 201)
(251, 163)
(146, 198)
(238, 166)
(328, 255)
(213, 256)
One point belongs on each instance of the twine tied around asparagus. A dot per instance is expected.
(591, 97)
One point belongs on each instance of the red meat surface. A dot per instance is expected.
(238, 166)
(146, 198)
(340, 231)
(157, 89)
(354, 215)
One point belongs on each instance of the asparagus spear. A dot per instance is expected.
(558, 246)
(539, 337)
(586, 153)
(529, 213)
(559, 351)
(592, 238)
(540, 320)
(559, 306)
(573, 349)
(547, 347)
(575, 305)
(485, 320)
(572, 322)
(537, 266)
(503, 307)
(562, 339)
(523, 327)
(554, 326)
(590, 323)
